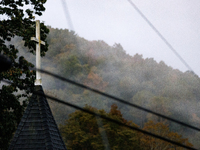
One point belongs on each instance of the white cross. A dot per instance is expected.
(38, 80)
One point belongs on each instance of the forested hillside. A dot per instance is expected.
(145, 82)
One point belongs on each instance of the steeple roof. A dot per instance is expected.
(37, 129)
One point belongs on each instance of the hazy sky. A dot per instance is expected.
(116, 21)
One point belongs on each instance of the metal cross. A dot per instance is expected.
(38, 80)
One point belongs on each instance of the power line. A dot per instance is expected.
(160, 35)
(70, 23)
(113, 97)
(67, 15)
(109, 119)
(120, 100)
(116, 99)
(68, 18)
(115, 121)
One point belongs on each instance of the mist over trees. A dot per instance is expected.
(145, 82)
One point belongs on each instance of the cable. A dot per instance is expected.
(120, 100)
(67, 15)
(160, 35)
(107, 118)
(68, 18)
(70, 23)
(116, 98)
(113, 97)
(113, 120)
(110, 119)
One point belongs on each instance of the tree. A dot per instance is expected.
(95, 81)
(17, 21)
(159, 104)
(85, 131)
(151, 143)
(71, 67)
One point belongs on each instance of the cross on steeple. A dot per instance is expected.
(38, 80)
(37, 128)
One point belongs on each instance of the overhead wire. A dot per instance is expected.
(113, 97)
(121, 100)
(116, 98)
(116, 121)
(70, 24)
(160, 35)
(110, 119)
(67, 15)
(68, 18)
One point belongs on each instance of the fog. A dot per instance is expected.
(116, 21)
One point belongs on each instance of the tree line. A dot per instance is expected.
(110, 69)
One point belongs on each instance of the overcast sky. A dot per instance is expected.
(116, 21)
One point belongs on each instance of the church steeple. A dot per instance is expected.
(37, 129)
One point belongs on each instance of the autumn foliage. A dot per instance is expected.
(159, 128)
(88, 132)
(138, 80)
(93, 80)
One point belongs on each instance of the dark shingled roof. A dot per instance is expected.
(37, 129)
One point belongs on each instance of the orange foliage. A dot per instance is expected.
(93, 80)
(161, 129)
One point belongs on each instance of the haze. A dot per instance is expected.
(116, 21)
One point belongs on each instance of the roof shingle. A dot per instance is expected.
(37, 129)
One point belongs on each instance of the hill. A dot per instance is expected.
(145, 82)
